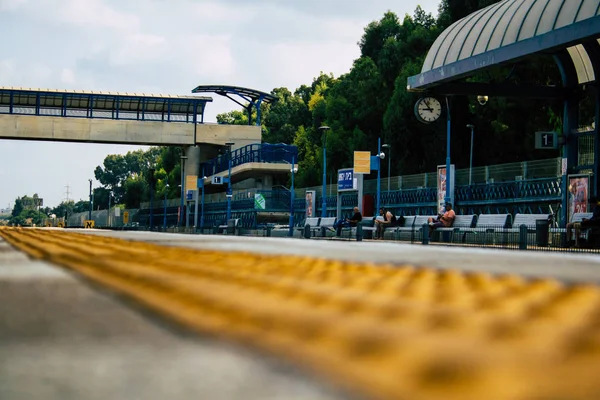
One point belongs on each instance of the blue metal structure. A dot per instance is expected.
(324, 130)
(260, 153)
(506, 33)
(121, 106)
(254, 98)
(291, 223)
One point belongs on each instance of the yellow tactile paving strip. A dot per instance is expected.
(390, 332)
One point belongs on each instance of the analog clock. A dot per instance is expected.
(428, 109)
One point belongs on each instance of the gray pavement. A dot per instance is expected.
(567, 267)
(62, 339)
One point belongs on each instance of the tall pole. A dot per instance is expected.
(378, 174)
(471, 158)
(291, 231)
(448, 132)
(389, 147)
(165, 209)
(91, 201)
(108, 217)
(181, 209)
(151, 198)
(324, 129)
(202, 210)
(229, 190)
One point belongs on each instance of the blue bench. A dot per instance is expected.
(413, 232)
(485, 228)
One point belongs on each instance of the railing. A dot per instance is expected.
(261, 153)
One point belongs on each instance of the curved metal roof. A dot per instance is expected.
(505, 23)
(223, 90)
(511, 29)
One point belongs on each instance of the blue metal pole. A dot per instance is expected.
(181, 208)
(378, 174)
(324, 191)
(202, 204)
(291, 232)
(165, 215)
(448, 131)
(151, 205)
(229, 193)
(91, 201)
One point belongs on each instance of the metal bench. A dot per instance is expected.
(310, 226)
(460, 222)
(558, 236)
(392, 232)
(325, 224)
(485, 227)
(409, 233)
(513, 234)
(231, 228)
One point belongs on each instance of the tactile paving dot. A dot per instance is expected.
(389, 331)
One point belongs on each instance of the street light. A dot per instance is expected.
(324, 130)
(293, 170)
(381, 156)
(229, 193)
(165, 210)
(472, 127)
(109, 198)
(91, 201)
(181, 211)
(389, 147)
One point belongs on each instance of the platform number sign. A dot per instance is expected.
(346, 179)
(546, 140)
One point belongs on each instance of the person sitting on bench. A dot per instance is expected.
(388, 220)
(339, 224)
(585, 223)
(443, 220)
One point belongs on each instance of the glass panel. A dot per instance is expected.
(459, 39)
(588, 10)
(515, 25)
(548, 17)
(567, 14)
(502, 26)
(582, 63)
(532, 19)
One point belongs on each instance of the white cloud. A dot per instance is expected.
(67, 76)
(7, 5)
(139, 48)
(95, 14)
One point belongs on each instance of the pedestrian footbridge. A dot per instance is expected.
(117, 118)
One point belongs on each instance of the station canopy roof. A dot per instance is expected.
(510, 30)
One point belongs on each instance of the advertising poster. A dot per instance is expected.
(311, 196)
(578, 194)
(443, 186)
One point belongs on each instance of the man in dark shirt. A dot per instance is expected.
(585, 223)
(339, 224)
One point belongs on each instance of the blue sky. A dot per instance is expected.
(165, 47)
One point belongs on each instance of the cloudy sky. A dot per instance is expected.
(163, 47)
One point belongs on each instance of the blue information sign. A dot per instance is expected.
(346, 179)
(228, 191)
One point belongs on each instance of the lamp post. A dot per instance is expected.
(292, 194)
(229, 191)
(381, 156)
(472, 127)
(108, 217)
(202, 210)
(165, 208)
(151, 170)
(91, 201)
(389, 147)
(181, 211)
(324, 130)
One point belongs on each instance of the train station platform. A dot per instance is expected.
(373, 320)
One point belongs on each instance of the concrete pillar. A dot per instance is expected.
(192, 164)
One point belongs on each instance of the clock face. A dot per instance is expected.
(428, 109)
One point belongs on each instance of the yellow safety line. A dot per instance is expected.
(388, 331)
